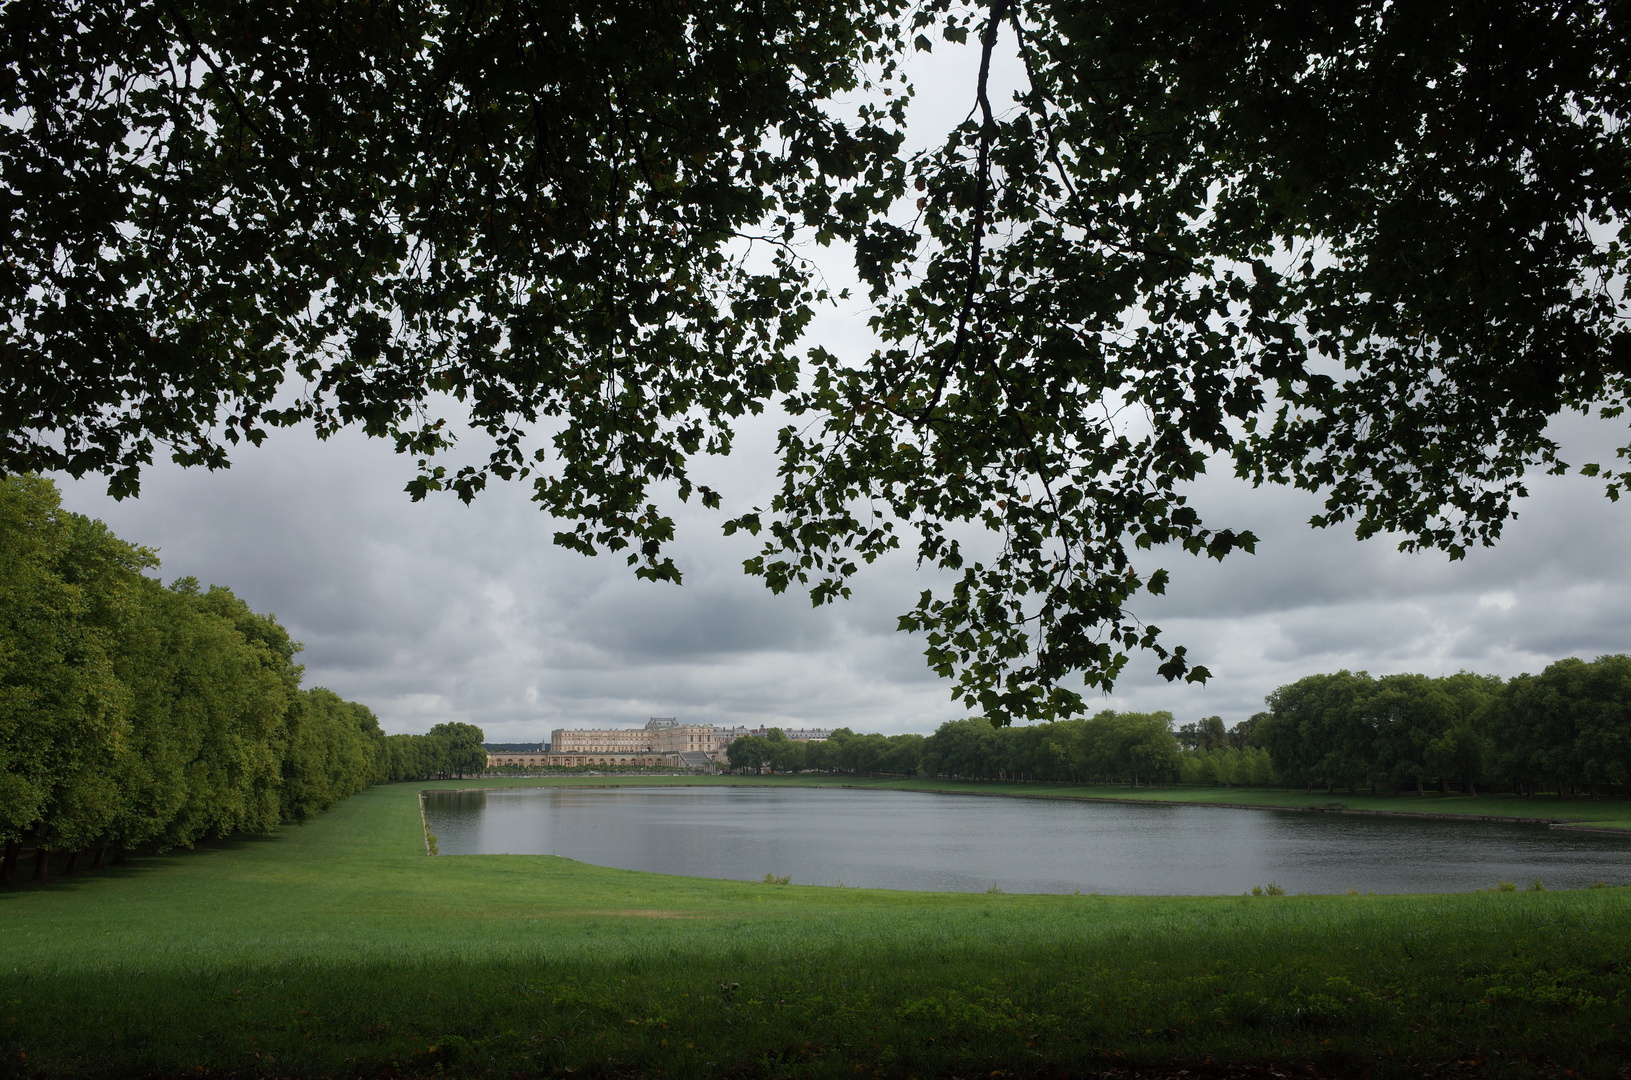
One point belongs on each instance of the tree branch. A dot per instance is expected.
(982, 198)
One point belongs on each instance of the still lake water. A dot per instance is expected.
(910, 840)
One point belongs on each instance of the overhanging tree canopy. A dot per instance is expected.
(1370, 249)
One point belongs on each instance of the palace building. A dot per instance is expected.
(661, 735)
(663, 742)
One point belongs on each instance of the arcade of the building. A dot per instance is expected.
(663, 743)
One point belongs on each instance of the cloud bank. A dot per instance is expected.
(440, 611)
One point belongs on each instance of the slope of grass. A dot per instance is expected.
(338, 947)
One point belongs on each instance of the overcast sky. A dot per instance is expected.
(440, 611)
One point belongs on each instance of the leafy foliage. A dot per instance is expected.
(1113, 746)
(844, 751)
(133, 715)
(1568, 726)
(464, 750)
(446, 751)
(1108, 746)
(530, 210)
(66, 586)
(1365, 248)
(1227, 765)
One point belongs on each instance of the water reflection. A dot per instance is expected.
(909, 840)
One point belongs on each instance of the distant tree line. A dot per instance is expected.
(1212, 754)
(1111, 746)
(1566, 730)
(139, 715)
(842, 752)
(446, 751)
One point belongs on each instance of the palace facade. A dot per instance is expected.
(661, 735)
(663, 742)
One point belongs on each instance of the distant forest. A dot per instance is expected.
(135, 715)
(1566, 730)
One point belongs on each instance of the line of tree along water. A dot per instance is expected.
(135, 715)
(1566, 730)
(1111, 746)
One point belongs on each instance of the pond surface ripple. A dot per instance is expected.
(923, 841)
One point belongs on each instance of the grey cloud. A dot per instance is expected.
(1555, 586)
(438, 610)
(441, 611)
(649, 621)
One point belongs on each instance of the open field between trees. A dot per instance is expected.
(338, 947)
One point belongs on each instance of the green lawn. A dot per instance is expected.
(338, 947)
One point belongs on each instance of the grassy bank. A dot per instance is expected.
(339, 947)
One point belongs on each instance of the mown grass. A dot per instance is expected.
(338, 947)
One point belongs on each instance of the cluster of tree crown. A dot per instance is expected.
(135, 715)
(1108, 746)
(843, 751)
(1370, 251)
(1566, 729)
(446, 751)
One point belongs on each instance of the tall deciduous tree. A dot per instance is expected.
(1605, 721)
(1571, 724)
(1367, 248)
(67, 587)
(464, 752)
(334, 751)
(138, 716)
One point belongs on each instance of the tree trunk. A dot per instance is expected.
(72, 866)
(42, 863)
(96, 863)
(9, 862)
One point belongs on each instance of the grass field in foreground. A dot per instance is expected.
(338, 947)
